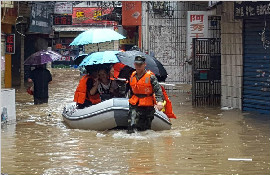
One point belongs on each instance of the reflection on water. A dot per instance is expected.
(200, 142)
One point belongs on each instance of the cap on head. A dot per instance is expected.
(139, 59)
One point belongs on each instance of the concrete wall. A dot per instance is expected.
(231, 58)
(165, 38)
(3, 51)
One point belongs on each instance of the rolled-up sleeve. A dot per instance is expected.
(157, 89)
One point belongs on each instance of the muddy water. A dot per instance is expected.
(200, 142)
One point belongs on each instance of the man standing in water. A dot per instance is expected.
(144, 85)
(41, 77)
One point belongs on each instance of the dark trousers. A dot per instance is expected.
(38, 101)
(86, 103)
(140, 118)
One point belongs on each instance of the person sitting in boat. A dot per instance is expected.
(120, 70)
(106, 87)
(86, 93)
(121, 73)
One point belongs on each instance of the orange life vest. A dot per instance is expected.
(117, 68)
(81, 93)
(142, 90)
(168, 105)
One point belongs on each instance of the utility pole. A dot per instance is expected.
(22, 61)
(147, 27)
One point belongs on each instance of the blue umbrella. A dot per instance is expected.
(100, 58)
(96, 36)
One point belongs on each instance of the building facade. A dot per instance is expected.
(164, 35)
(245, 55)
(8, 20)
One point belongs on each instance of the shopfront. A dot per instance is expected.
(256, 55)
(68, 26)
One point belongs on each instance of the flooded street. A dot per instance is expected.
(201, 141)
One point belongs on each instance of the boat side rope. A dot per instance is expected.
(92, 114)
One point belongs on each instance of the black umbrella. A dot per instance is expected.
(79, 59)
(152, 63)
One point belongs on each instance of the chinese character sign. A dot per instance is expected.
(131, 13)
(83, 15)
(197, 27)
(40, 18)
(62, 20)
(128, 40)
(63, 8)
(10, 43)
(248, 9)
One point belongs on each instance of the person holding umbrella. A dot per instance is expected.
(143, 86)
(40, 77)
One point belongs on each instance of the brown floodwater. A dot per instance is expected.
(201, 141)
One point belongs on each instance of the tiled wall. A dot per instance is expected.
(231, 58)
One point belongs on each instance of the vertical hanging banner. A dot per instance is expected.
(10, 44)
(131, 13)
(40, 18)
(197, 27)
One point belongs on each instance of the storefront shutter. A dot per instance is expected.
(256, 71)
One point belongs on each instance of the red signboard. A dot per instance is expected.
(86, 15)
(131, 13)
(58, 46)
(10, 43)
(62, 20)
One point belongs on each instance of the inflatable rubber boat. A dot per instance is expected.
(109, 114)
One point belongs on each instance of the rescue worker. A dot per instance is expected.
(86, 93)
(144, 85)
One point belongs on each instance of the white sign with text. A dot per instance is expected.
(197, 27)
(63, 8)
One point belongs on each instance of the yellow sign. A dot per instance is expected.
(128, 40)
(79, 14)
(7, 4)
(96, 15)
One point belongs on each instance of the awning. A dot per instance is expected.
(75, 28)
